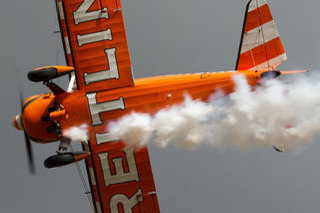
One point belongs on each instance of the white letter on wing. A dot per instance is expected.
(128, 204)
(94, 37)
(96, 108)
(81, 14)
(105, 74)
(120, 176)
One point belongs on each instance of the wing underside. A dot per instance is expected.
(95, 43)
(121, 177)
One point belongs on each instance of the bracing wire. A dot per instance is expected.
(58, 47)
(85, 186)
(263, 37)
(57, 38)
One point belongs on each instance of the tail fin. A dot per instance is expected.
(260, 46)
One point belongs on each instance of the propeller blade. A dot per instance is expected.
(19, 86)
(30, 154)
(21, 99)
(26, 137)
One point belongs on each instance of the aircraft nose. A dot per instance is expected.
(17, 122)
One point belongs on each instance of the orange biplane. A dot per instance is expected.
(102, 89)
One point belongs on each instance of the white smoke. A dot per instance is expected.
(275, 114)
(77, 133)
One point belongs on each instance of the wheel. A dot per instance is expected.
(59, 160)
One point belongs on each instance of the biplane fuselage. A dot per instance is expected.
(102, 89)
(148, 95)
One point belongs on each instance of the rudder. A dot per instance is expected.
(260, 46)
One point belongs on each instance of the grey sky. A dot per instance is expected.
(164, 37)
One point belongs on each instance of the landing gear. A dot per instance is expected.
(65, 155)
(65, 159)
(55, 114)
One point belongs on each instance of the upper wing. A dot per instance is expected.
(120, 177)
(260, 46)
(95, 43)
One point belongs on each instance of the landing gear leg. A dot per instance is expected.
(85, 145)
(64, 145)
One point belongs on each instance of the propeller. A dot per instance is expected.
(26, 138)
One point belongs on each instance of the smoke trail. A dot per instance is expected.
(274, 114)
(77, 133)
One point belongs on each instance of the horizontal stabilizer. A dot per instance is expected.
(289, 72)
